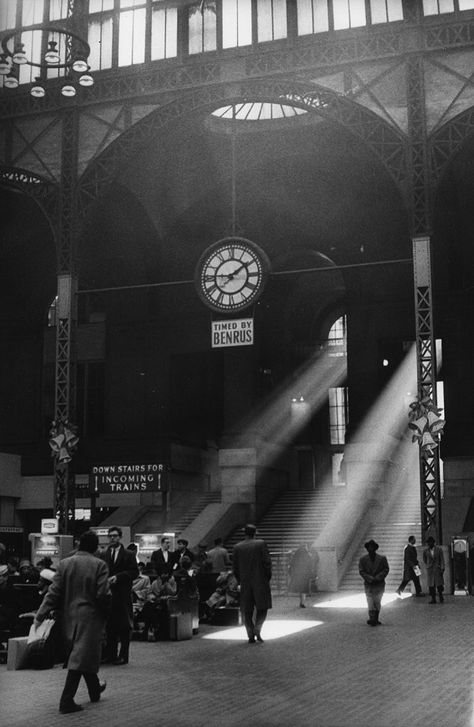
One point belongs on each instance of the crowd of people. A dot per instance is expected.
(374, 568)
(99, 595)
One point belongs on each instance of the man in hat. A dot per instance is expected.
(374, 569)
(253, 570)
(434, 560)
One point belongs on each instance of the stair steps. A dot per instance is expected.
(392, 535)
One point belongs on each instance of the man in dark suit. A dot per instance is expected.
(374, 569)
(181, 550)
(162, 559)
(253, 569)
(410, 568)
(123, 570)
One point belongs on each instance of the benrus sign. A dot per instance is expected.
(116, 478)
(232, 333)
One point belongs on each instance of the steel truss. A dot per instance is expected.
(388, 144)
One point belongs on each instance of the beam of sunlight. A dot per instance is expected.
(271, 630)
(273, 424)
(358, 600)
(377, 444)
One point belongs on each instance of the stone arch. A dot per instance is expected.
(385, 142)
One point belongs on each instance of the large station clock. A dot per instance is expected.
(231, 274)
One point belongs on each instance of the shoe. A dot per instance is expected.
(119, 661)
(252, 640)
(259, 639)
(108, 659)
(441, 598)
(70, 708)
(96, 696)
(302, 605)
(432, 601)
(398, 592)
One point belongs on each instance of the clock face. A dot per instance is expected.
(231, 274)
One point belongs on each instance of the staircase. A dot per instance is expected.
(392, 535)
(295, 518)
(182, 521)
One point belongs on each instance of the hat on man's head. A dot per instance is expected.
(47, 574)
(371, 544)
(25, 563)
(3, 570)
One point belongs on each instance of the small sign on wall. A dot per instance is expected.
(125, 478)
(236, 332)
(49, 525)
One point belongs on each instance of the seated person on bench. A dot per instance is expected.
(154, 609)
(226, 594)
(186, 584)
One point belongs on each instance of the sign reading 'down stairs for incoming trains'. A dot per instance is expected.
(234, 332)
(116, 478)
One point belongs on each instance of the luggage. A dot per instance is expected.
(181, 626)
(226, 616)
(17, 653)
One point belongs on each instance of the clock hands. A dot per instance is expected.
(231, 276)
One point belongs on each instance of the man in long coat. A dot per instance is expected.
(433, 557)
(80, 591)
(123, 569)
(374, 569)
(253, 569)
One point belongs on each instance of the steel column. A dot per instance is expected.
(426, 374)
(429, 465)
(66, 313)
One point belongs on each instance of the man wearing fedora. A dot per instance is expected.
(374, 569)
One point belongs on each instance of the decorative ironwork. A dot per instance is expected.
(448, 141)
(421, 192)
(41, 190)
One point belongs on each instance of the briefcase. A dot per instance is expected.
(181, 626)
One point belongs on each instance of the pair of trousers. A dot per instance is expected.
(113, 637)
(416, 583)
(72, 682)
(253, 627)
(374, 596)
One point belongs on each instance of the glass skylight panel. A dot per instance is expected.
(57, 9)
(32, 12)
(132, 37)
(7, 14)
(258, 111)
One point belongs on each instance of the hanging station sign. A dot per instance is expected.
(127, 478)
(234, 332)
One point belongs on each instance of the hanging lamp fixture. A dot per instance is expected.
(70, 59)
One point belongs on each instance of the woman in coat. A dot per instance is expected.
(80, 591)
(434, 559)
(301, 572)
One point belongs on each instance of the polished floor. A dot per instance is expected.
(319, 667)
